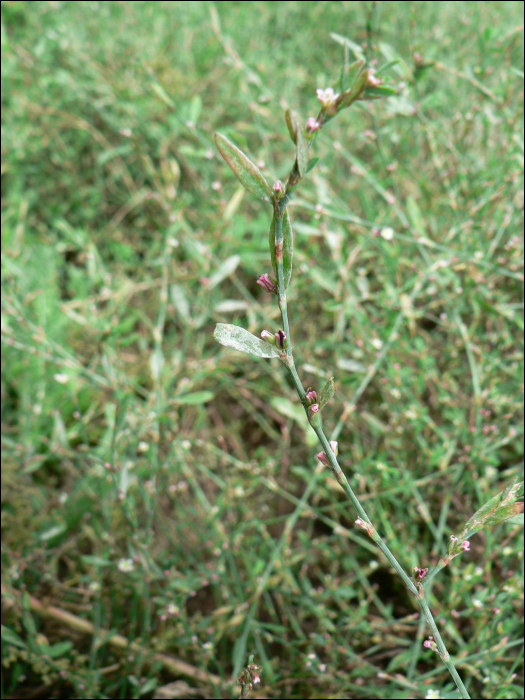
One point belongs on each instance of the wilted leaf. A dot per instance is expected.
(240, 339)
(244, 170)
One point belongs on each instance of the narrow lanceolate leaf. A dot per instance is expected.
(346, 99)
(244, 170)
(302, 152)
(350, 73)
(287, 248)
(311, 164)
(291, 124)
(503, 506)
(240, 339)
(327, 393)
(376, 93)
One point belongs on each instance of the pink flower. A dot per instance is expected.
(327, 97)
(465, 546)
(312, 125)
(280, 338)
(314, 408)
(278, 187)
(311, 396)
(373, 80)
(322, 458)
(266, 283)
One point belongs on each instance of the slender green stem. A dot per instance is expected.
(442, 650)
(417, 592)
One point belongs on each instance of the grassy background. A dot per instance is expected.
(161, 487)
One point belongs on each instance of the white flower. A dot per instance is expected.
(378, 344)
(477, 603)
(172, 609)
(432, 694)
(208, 646)
(143, 446)
(61, 378)
(327, 97)
(126, 565)
(387, 233)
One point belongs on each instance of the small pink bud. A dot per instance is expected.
(278, 187)
(312, 125)
(333, 445)
(280, 339)
(314, 408)
(311, 396)
(465, 546)
(256, 680)
(268, 337)
(361, 523)
(322, 458)
(453, 540)
(266, 283)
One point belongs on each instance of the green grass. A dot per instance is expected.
(129, 434)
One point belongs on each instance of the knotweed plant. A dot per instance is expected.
(357, 82)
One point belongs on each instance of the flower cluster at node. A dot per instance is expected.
(327, 97)
(333, 444)
(267, 283)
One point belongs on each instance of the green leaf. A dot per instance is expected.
(356, 48)
(375, 93)
(55, 651)
(346, 99)
(291, 124)
(11, 637)
(244, 170)
(52, 532)
(350, 73)
(287, 248)
(327, 392)
(224, 270)
(195, 398)
(296, 412)
(240, 339)
(503, 506)
(302, 152)
(311, 164)
(95, 561)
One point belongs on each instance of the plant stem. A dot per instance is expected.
(417, 592)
